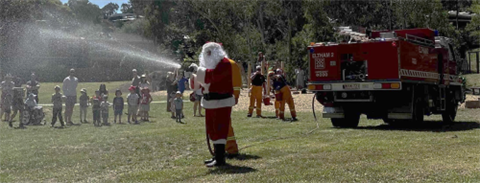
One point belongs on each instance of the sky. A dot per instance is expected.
(102, 3)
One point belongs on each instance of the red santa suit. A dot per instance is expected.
(218, 76)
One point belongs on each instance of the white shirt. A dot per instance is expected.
(143, 85)
(133, 99)
(196, 85)
(70, 86)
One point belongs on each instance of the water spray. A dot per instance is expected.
(124, 48)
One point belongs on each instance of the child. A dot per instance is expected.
(96, 100)
(172, 105)
(57, 98)
(83, 105)
(30, 103)
(18, 106)
(145, 103)
(133, 100)
(103, 90)
(178, 101)
(104, 110)
(118, 106)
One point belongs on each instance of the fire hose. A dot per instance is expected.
(314, 115)
(208, 144)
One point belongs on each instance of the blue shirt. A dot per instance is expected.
(279, 83)
(181, 84)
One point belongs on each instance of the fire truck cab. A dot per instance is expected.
(398, 76)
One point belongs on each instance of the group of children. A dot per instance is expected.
(12, 102)
(138, 105)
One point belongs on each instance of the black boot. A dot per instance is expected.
(219, 156)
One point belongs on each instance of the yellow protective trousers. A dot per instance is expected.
(277, 108)
(231, 146)
(287, 98)
(256, 95)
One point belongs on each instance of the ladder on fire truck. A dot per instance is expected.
(419, 40)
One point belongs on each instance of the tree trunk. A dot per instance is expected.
(261, 25)
(289, 39)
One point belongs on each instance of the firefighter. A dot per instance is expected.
(271, 76)
(258, 85)
(283, 95)
(221, 80)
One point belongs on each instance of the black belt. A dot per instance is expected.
(216, 96)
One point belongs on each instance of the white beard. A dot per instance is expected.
(217, 54)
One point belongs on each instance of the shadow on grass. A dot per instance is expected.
(427, 126)
(244, 157)
(270, 117)
(232, 169)
(227, 169)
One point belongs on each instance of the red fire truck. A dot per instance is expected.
(398, 76)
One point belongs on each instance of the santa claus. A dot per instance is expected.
(221, 81)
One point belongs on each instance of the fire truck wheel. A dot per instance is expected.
(451, 112)
(350, 121)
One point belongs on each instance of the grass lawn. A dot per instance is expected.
(272, 151)
(473, 80)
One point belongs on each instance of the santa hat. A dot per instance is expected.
(132, 88)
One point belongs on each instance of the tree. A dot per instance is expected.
(461, 5)
(127, 8)
(85, 11)
(109, 9)
(473, 29)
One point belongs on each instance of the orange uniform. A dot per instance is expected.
(256, 90)
(283, 96)
(232, 147)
